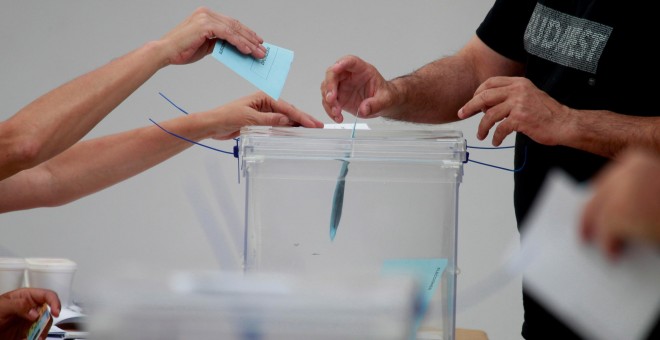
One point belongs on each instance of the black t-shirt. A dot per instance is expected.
(587, 54)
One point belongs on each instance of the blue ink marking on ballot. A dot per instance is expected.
(427, 273)
(338, 197)
(338, 200)
(268, 74)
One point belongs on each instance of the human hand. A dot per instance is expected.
(195, 37)
(18, 311)
(352, 84)
(624, 206)
(256, 109)
(517, 105)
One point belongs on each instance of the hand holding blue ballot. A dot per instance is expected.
(38, 327)
(268, 73)
(26, 312)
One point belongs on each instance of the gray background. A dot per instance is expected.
(147, 223)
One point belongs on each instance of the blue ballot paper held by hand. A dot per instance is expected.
(268, 73)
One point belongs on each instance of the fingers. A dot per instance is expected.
(296, 115)
(41, 296)
(485, 97)
(329, 93)
(349, 63)
(194, 38)
(597, 224)
(472, 107)
(335, 115)
(503, 130)
(329, 98)
(495, 110)
(594, 229)
(498, 100)
(27, 301)
(371, 106)
(587, 220)
(246, 40)
(612, 246)
(261, 102)
(206, 24)
(341, 71)
(271, 119)
(261, 109)
(53, 301)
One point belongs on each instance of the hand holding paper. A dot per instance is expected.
(268, 74)
(598, 298)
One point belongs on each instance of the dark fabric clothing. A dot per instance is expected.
(587, 54)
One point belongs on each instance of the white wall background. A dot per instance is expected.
(148, 221)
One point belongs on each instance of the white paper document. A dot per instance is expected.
(70, 324)
(597, 297)
(346, 126)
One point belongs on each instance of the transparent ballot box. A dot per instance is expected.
(320, 202)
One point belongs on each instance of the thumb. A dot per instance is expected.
(32, 314)
(372, 106)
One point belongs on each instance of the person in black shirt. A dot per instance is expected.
(572, 79)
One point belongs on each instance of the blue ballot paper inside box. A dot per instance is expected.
(268, 74)
(427, 274)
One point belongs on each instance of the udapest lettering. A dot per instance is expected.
(565, 39)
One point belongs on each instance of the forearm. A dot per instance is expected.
(93, 165)
(75, 107)
(608, 133)
(435, 92)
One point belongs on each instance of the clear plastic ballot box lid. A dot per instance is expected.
(323, 203)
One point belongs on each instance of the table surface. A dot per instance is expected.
(470, 334)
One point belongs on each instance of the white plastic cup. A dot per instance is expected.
(12, 273)
(55, 274)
